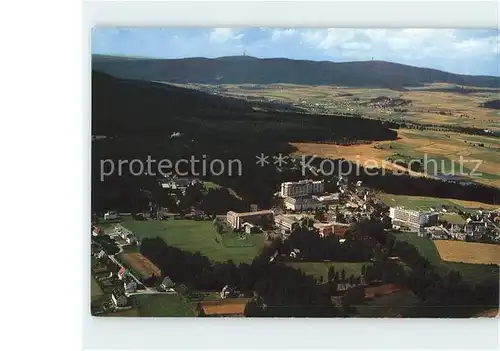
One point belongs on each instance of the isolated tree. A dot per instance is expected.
(331, 273)
(363, 270)
(342, 275)
(387, 222)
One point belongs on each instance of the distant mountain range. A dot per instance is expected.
(251, 70)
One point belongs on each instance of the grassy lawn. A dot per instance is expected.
(192, 236)
(210, 185)
(163, 305)
(95, 289)
(320, 269)
(132, 312)
(472, 273)
(199, 296)
(160, 305)
(452, 218)
(388, 305)
(230, 239)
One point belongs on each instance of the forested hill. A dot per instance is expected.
(251, 70)
(139, 108)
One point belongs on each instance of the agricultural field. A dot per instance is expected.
(468, 252)
(441, 152)
(425, 203)
(470, 272)
(165, 305)
(140, 264)
(193, 236)
(320, 269)
(425, 107)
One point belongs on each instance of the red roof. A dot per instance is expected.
(97, 230)
(338, 230)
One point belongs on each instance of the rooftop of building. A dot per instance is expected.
(224, 307)
(417, 212)
(327, 196)
(304, 181)
(301, 200)
(330, 224)
(286, 219)
(117, 291)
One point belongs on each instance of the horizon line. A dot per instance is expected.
(282, 58)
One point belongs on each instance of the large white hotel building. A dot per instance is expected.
(413, 219)
(302, 188)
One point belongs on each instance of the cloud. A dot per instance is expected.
(455, 50)
(222, 35)
(408, 45)
(278, 34)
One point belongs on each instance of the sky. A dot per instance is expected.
(463, 51)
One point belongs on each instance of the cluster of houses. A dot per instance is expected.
(301, 199)
(480, 226)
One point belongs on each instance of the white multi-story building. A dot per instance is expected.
(302, 188)
(411, 218)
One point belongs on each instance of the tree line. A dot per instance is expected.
(280, 290)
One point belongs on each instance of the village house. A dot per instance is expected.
(331, 228)
(118, 297)
(250, 228)
(475, 229)
(130, 286)
(130, 239)
(167, 284)
(96, 231)
(122, 273)
(100, 254)
(286, 223)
